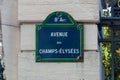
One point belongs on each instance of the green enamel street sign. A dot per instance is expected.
(59, 39)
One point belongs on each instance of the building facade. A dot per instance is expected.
(19, 18)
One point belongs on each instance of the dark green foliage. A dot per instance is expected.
(107, 55)
(117, 56)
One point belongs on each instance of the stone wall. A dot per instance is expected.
(28, 69)
(37, 10)
(19, 40)
(11, 37)
(32, 11)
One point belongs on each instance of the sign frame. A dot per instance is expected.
(72, 23)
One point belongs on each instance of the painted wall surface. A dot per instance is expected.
(19, 40)
(11, 46)
(28, 69)
(37, 10)
(11, 37)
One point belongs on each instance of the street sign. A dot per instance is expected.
(59, 39)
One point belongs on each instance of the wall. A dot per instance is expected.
(28, 69)
(19, 40)
(32, 11)
(11, 37)
(36, 11)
